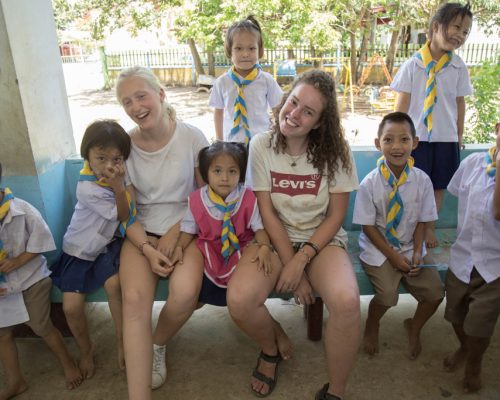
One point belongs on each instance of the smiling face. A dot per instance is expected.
(396, 144)
(141, 102)
(103, 158)
(453, 36)
(301, 112)
(223, 175)
(244, 51)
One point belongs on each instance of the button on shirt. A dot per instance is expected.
(24, 230)
(370, 208)
(478, 232)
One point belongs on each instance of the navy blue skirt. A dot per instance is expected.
(212, 294)
(72, 274)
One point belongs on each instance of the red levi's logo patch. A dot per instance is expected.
(294, 185)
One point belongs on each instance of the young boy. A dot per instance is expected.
(473, 279)
(392, 205)
(25, 289)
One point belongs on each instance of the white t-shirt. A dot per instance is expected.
(164, 179)
(94, 221)
(478, 232)
(370, 208)
(451, 82)
(261, 96)
(299, 194)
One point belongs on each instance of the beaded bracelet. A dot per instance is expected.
(141, 246)
(313, 246)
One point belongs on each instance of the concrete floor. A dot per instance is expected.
(210, 359)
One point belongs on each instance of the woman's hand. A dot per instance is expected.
(291, 274)
(159, 263)
(304, 293)
(263, 258)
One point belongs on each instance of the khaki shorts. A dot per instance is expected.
(37, 301)
(427, 286)
(475, 305)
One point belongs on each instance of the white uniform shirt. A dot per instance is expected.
(188, 223)
(164, 179)
(94, 221)
(370, 208)
(451, 82)
(478, 232)
(261, 95)
(300, 196)
(23, 230)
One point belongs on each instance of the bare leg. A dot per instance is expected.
(10, 362)
(370, 339)
(138, 285)
(414, 326)
(453, 361)
(247, 291)
(332, 276)
(74, 310)
(430, 236)
(183, 292)
(73, 375)
(476, 349)
(113, 290)
(285, 346)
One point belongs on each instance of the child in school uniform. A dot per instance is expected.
(473, 279)
(25, 290)
(244, 95)
(392, 205)
(432, 86)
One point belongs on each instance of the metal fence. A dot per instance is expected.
(178, 57)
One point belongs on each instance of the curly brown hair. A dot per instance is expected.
(326, 144)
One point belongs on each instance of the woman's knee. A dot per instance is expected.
(345, 304)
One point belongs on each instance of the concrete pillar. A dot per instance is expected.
(35, 127)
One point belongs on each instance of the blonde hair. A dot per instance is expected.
(153, 82)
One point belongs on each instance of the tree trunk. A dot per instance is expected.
(354, 57)
(392, 50)
(211, 63)
(196, 57)
(363, 56)
(290, 54)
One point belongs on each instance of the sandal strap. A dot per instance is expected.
(324, 395)
(270, 359)
(266, 379)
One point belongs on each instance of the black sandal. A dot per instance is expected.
(324, 395)
(271, 382)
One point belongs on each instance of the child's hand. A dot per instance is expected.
(166, 244)
(263, 257)
(178, 255)
(415, 262)
(8, 265)
(400, 262)
(304, 293)
(160, 265)
(113, 176)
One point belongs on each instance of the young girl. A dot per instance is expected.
(431, 87)
(91, 246)
(473, 279)
(225, 217)
(302, 173)
(243, 95)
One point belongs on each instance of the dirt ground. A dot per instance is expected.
(192, 106)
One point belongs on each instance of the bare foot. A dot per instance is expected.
(285, 346)
(430, 238)
(73, 376)
(13, 390)
(454, 361)
(414, 346)
(87, 364)
(121, 355)
(370, 339)
(472, 380)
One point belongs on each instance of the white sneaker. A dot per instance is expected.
(159, 366)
